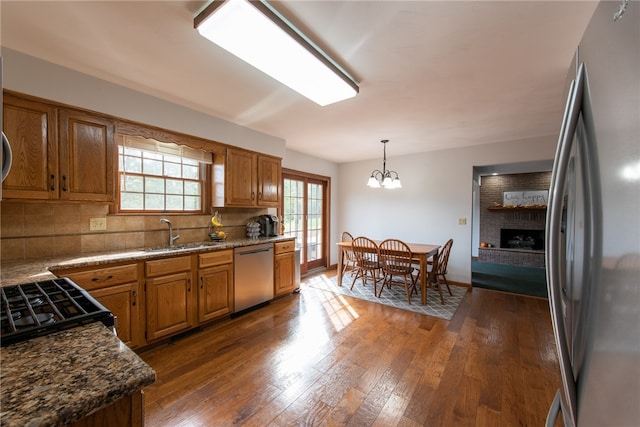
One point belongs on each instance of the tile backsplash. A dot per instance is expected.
(40, 230)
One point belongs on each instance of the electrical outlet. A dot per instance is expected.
(462, 221)
(97, 224)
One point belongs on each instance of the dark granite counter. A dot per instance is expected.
(15, 272)
(58, 379)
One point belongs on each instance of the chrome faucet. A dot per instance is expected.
(172, 238)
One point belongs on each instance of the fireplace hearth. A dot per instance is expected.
(515, 238)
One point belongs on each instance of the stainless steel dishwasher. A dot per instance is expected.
(253, 275)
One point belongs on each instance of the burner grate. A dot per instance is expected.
(35, 309)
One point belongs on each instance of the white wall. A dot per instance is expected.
(32, 76)
(437, 190)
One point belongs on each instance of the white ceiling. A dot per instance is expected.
(432, 74)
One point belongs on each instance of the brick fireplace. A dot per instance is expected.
(515, 235)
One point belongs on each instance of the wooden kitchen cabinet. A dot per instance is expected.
(125, 412)
(252, 179)
(215, 293)
(118, 289)
(58, 153)
(170, 298)
(31, 128)
(284, 268)
(87, 156)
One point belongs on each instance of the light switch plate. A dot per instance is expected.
(97, 224)
(462, 221)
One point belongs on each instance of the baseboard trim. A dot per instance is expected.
(462, 284)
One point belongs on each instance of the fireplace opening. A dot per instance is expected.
(514, 238)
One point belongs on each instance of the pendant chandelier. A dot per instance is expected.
(384, 178)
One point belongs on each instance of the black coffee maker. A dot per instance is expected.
(268, 225)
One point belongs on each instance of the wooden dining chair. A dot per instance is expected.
(349, 261)
(396, 260)
(368, 265)
(436, 278)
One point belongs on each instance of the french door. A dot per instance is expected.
(305, 216)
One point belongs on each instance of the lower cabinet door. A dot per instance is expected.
(122, 301)
(169, 305)
(215, 294)
(284, 273)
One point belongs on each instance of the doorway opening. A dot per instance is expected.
(508, 244)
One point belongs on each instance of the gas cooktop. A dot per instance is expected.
(40, 308)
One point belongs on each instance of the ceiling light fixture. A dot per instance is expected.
(256, 33)
(386, 178)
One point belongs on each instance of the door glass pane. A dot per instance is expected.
(293, 211)
(314, 222)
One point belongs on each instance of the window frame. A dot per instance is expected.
(132, 129)
(203, 173)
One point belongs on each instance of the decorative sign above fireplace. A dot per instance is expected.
(525, 198)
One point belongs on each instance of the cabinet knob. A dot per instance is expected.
(253, 195)
(64, 183)
(53, 182)
(134, 294)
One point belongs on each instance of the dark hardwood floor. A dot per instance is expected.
(316, 358)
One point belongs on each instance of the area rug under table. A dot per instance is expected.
(394, 297)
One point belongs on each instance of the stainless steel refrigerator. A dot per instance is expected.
(593, 227)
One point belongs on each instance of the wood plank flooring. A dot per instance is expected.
(316, 358)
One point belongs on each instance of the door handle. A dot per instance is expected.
(553, 232)
(552, 415)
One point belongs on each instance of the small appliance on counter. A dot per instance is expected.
(253, 230)
(268, 225)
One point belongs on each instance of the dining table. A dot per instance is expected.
(421, 252)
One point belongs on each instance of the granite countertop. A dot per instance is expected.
(15, 272)
(59, 378)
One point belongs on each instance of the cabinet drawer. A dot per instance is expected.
(282, 247)
(105, 277)
(167, 266)
(215, 258)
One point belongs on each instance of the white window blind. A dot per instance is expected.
(150, 144)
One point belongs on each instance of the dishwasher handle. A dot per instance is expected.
(257, 251)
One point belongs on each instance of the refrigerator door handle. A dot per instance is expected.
(554, 223)
(552, 416)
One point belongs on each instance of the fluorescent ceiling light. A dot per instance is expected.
(254, 32)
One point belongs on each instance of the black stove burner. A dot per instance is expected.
(19, 303)
(14, 314)
(40, 308)
(41, 318)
